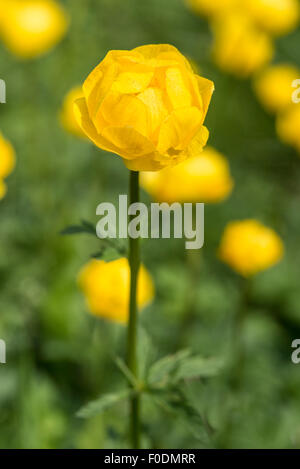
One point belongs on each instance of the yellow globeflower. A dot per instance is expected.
(106, 288)
(275, 16)
(239, 47)
(67, 116)
(202, 178)
(147, 105)
(250, 247)
(274, 86)
(7, 163)
(30, 28)
(288, 126)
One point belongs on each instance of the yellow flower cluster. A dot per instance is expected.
(239, 47)
(106, 288)
(146, 105)
(7, 163)
(29, 28)
(202, 178)
(243, 30)
(249, 247)
(275, 87)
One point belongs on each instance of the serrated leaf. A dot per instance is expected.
(177, 403)
(164, 368)
(199, 367)
(85, 227)
(103, 403)
(88, 225)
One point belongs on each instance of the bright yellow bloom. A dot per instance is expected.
(147, 105)
(202, 178)
(67, 115)
(30, 28)
(106, 288)
(288, 126)
(7, 163)
(250, 247)
(211, 7)
(274, 16)
(239, 47)
(274, 86)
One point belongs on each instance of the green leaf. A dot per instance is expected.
(199, 367)
(126, 372)
(110, 248)
(164, 368)
(85, 227)
(176, 403)
(103, 403)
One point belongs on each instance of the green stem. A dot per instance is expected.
(134, 264)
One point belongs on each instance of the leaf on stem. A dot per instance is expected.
(165, 368)
(182, 366)
(103, 403)
(175, 402)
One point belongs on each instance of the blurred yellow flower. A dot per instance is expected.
(211, 7)
(106, 288)
(67, 115)
(7, 163)
(250, 247)
(274, 86)
(30, 28)
(288, 126)
(274, 16)
(147, 105)
(202, 178)
(239, 47)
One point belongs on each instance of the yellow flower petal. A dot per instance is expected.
(85, 123)
(198, 142)
(206, 89)
(129, 143)
(179, 129)
(123, 110)
(177, 90)
(129, 82)
(152, 51)
(153, 99)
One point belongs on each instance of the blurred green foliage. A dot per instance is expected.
(59, 357)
